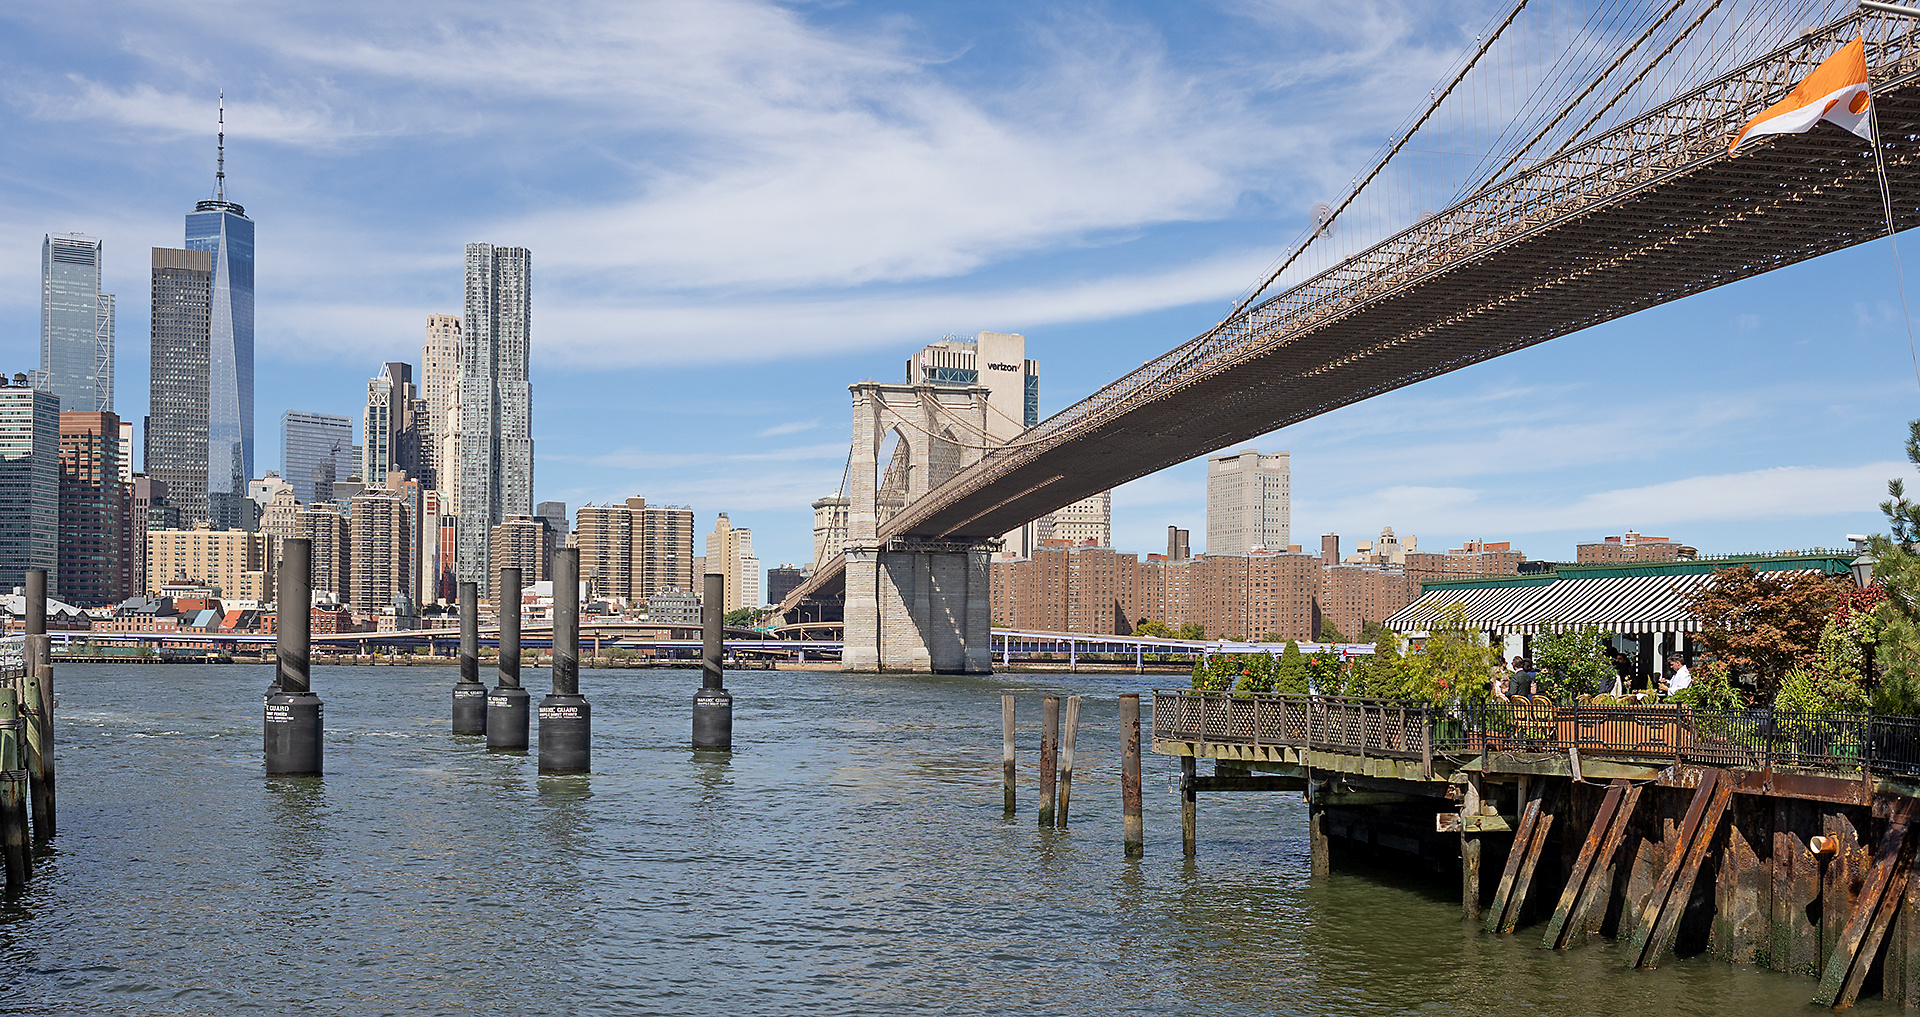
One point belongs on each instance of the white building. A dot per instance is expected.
(1248, 502)
(440, 389)
(730, 553)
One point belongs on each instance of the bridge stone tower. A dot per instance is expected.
(913, 603)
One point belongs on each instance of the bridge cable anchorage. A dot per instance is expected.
(1886, 204)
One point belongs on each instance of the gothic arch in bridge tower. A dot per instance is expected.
(913, 605)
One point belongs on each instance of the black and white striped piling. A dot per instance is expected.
(566, 722)
(713, 704)
(469, 696)
(295, 725)
(507, 705)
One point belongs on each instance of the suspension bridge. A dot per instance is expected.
(1586, 175)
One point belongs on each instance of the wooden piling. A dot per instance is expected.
(1470, 848)
(14, 836)
(1319, 852)
(1882, 920)
(1660, 917)
(1668, 925)
(1189, 808)
(1069, 734)
(1132, 825)
(36, 713)
(1599, 882)
(1049, 756)
(1847, 953)
(1006, 750)
(1576, 879)
(1516, 856)
(1523, 880)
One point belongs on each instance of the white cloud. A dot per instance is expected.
(1787, 492)
(790, 427)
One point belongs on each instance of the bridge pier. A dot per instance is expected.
(919, 607)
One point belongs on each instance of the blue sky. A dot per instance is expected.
(738, 208)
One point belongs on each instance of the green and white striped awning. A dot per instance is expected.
(1622, 604)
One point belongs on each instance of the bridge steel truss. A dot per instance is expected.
(1643, 214)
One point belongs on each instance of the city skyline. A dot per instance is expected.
(725, 355)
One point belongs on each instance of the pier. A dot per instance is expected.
(1782, 841)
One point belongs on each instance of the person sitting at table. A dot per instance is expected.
(1679, 679)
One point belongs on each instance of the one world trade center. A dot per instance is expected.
(221, 228)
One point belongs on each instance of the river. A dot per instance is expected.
(849, 857)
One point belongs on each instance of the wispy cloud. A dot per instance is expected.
(790, 427)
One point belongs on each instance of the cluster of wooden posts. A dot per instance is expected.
(1056, 765)
(26, 745)
(1839, 905)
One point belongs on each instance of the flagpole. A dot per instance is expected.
(1886, 204)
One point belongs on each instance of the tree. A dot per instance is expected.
(1328, 672)
(1192, 630)
(1763, 624)
(744, 617)
(1372, 631)
(1290, 676)
(1153, 628)
(1329, 632)
(1575, 662)
(1896, 574)
(1455, 665)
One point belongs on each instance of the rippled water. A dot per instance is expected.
(850, 857)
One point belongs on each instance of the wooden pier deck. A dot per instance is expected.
(1777, 840)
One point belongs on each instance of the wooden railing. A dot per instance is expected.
(1659, 732)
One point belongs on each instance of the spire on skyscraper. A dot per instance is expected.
(220, 167)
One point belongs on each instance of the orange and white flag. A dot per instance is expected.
(1836, 92)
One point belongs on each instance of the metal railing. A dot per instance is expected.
(1759, 739)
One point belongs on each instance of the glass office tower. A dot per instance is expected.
(76, 325)
(222, 229)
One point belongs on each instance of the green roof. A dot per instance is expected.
(1823, 560)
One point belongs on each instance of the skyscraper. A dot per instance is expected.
(96, 537)
(221, 228)
(1248, 501)
(76, 325)
(394, 428)
(29, 484)
(440, 388)
(496, 401)
(316, 450)
(177, 387)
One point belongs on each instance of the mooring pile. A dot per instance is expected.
(26, 743)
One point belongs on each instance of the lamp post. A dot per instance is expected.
(1862, 569)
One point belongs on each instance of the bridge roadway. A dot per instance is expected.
(1649, 212)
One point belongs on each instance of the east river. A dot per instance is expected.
(850, 857)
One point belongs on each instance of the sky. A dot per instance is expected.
(738, 208)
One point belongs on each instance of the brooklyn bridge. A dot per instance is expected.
(1599, 189)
